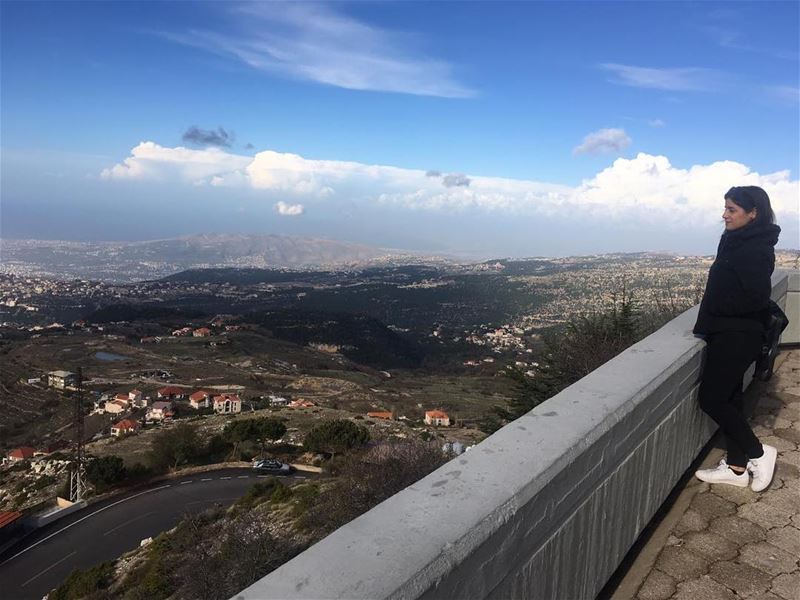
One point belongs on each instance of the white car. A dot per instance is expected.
(271, 465)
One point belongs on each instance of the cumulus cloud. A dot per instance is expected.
(673, 79)
(208, 137)
(288, 210)
(150, 161)
(456, 180)
(646, 189)
(603, 141)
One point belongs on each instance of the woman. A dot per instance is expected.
(732, 317)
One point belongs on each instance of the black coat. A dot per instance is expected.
(739, 282)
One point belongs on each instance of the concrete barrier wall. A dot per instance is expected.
(547, 507)
(61, 510)
(791, 307)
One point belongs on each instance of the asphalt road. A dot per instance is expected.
(108, 529)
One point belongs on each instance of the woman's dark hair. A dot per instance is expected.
(751, 197)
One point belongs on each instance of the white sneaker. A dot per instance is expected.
(722, 474)
(763, 468)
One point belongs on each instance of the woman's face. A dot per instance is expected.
(735, 216)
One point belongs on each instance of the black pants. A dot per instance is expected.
(728, 355)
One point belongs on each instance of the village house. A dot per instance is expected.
(18, 454)
(199, 399)
(381, 415)
(300, 403)
(135, 396)
(172, 392)
(61, 379)
(125, 427)
(160, 411)
(183, 331)
(278, 400)
(437, 418)
(202, 332)
(115, 406)
(227, 404)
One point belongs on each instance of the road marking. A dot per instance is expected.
(47, 569)
(262, 476)
(243, 477)
(86, 517)
(224, 477)
(129, 522)
(185, 482)
(207, 479)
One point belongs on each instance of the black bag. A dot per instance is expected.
(776, 322)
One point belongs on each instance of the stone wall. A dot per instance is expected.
(547, 507)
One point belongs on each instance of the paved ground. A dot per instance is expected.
(730, 542)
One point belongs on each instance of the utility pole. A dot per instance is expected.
(77, 478)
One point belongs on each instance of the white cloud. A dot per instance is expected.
(313, 42)
(646, 189)
(289, 210)
(656, 123)
(148, 160)
(785, 93)
(674, 79)
(603, 141)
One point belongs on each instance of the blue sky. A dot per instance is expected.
(483, 128)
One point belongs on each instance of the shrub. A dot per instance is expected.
(43, 482)
(281, 494)
(105, 471)
(336, 435)
(367, 478)
(85, 583)
(257, 493)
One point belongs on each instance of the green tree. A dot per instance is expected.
(175, 447)
(336, 435)
(256, 430)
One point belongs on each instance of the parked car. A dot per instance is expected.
(272, 465)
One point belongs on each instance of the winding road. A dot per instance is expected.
(107, 529)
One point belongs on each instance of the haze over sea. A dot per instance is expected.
(480, 129)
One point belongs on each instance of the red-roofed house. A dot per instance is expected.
(21, 453)
(135, 396)
(116, 406)
(125, 427)
(202, 332)
(227, 404)
(381, 415)
(437, 417)
(199, 399)
(300, 403)
(172, 392)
